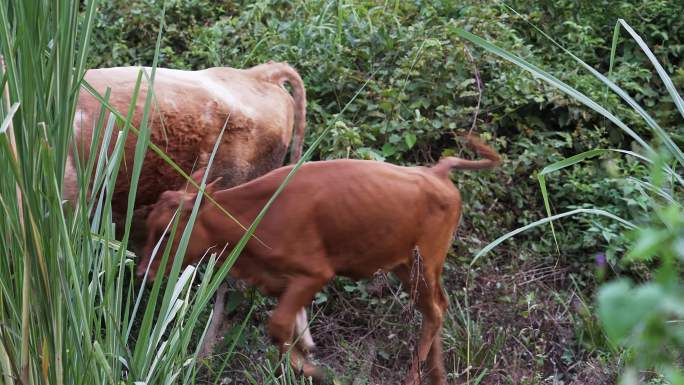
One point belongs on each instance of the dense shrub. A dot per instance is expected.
(422, 85)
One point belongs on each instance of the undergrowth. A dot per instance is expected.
(527, 315)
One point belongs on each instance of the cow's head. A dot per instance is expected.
(159, 226)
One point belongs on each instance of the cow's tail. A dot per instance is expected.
(280, 73)
(492, 159)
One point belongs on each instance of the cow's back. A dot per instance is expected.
(188, 111)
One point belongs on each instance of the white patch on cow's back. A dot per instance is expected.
(70, 188)
(208, 113)
(233, 97)
(171, 103)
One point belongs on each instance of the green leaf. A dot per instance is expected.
(659, 68)
(622, 308)
(388, 149)
(648, 243)
(410, 139)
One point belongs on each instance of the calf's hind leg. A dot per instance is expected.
(298, 293)
(432, 304)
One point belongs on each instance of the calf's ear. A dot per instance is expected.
(171, 196)
(198, 175)
(213, 186)
(188, 200)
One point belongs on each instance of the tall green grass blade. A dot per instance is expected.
(94, 143)
(555, 82)
(650, 187)
(613, 49)
(676, 98)
(140, 151)
(155, 251)
(102, 171)
(144, 135)
(571, 161)
(540, 222)
(660, 133)
(559, 166)
(8, 118)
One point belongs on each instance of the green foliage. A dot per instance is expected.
(648, 317)
(645, 318)
(422, 84)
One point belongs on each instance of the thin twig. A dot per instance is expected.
(480, 88)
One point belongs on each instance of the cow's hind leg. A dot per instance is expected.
(428, 297)
(436, 357)
(298, 293)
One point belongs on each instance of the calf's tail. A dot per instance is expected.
(280, 73)
(492, 159)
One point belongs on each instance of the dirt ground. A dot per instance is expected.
(518, 324)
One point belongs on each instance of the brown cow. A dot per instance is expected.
(189, 110)
(339, 217)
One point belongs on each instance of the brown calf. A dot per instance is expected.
(339, 217)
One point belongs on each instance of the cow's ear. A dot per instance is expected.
(213, 186)
(171, 197)
(188, 201)
(168, 195)
(198, 175)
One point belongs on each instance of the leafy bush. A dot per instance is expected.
(645, 318)
(422, 83)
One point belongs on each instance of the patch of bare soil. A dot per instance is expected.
(507, 324)
(512, 325)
